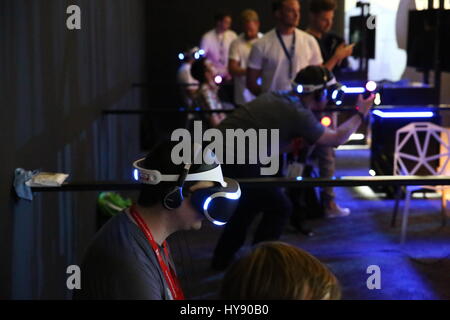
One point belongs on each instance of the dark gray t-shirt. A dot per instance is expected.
(120, 264)
(277, 110)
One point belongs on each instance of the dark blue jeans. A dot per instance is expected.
(272, 202)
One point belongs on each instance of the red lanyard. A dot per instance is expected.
(169, 274)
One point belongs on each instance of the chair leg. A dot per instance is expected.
(405, 216)
(398, 193)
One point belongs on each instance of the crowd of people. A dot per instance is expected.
(259, 64)
(282, 80)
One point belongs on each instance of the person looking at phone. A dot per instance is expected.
(333, 48)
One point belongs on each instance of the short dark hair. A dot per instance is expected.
(198, 70)
(313, 75)
(319, 6)
(277, 4)
(219, 16)
(158, 159)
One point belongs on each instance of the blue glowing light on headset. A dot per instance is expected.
(335, 94)
(206, 205)
(181, 56)
(232, 196)
(300, 89)
(136, 174)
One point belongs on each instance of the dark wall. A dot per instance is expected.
(54, 84)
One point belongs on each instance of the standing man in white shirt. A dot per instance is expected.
(239, 54)
(282, 52)
(216, 44)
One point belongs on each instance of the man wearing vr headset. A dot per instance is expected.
(292, 113)
(129, 257)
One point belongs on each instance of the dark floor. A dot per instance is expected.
(420, 269)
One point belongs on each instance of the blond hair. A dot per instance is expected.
(249, 15)
(279, 271)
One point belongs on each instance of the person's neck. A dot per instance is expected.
(158, 222)
(250, 38)
(285, 30)
(220, 31)
(315, 33)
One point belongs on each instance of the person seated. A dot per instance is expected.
(207, 97)
(187, 83)
(279, 271)
(129, 257)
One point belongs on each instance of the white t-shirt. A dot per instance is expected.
(186, 82)
(268, 56)
(185, 77)
(217, 49)
(240, 51)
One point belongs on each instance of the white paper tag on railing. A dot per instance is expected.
(46, 179)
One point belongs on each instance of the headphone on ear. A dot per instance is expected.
(174, 197)
(320, 95)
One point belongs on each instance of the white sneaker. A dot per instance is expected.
(335, 211)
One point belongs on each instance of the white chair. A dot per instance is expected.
(421, 136)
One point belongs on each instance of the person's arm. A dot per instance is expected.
(334, 138)
(187, 83)
(254, 69)
(252, 81)
(235, 69)
(316, 58)
(342, 52)
(204, 45)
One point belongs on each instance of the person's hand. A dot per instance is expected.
(364, 105)
(344, 51)
(227, 77)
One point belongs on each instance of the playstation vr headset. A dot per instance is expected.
(321, 82)
(216, 203)
(194, 53)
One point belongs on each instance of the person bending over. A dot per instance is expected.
(292, 113)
